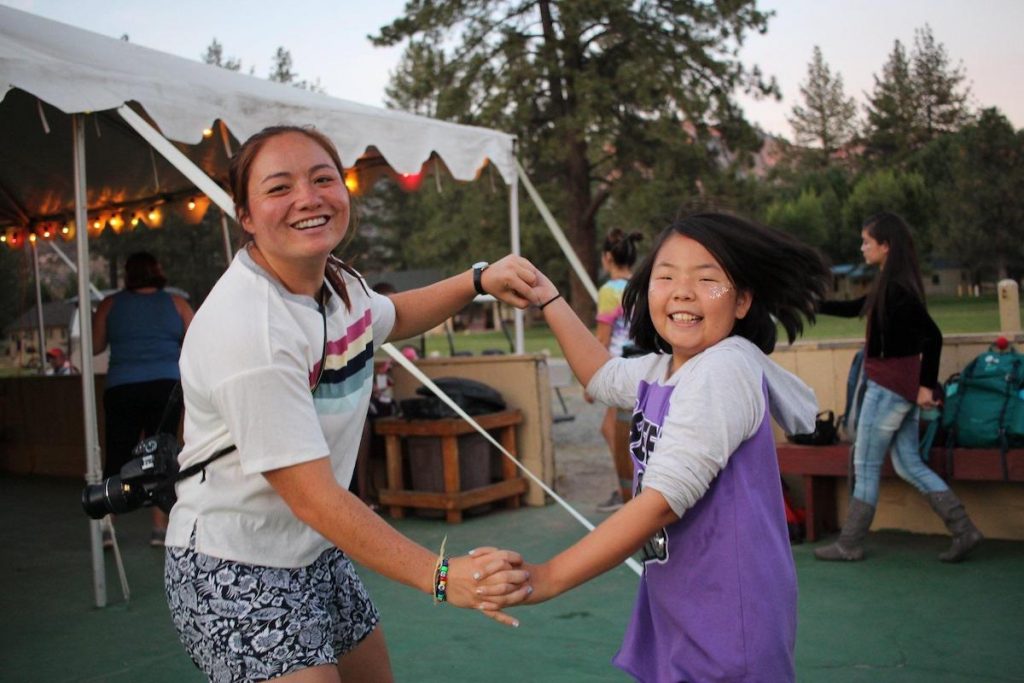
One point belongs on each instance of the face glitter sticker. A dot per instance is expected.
(714, 290)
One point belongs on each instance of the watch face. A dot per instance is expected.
(480, 264)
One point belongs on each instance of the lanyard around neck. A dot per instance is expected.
(320, 302)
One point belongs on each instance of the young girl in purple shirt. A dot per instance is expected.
(717, 600)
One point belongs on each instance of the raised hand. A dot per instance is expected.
(510, 280)
(543, 289)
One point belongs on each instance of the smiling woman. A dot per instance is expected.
(292, 200)
(279, 363)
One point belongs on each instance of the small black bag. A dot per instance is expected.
(474, 397)
(824, 434)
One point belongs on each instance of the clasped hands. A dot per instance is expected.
(491, 579)
(517, 282)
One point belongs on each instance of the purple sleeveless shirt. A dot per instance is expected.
(717, 601)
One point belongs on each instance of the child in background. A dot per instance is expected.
(617, 258)
(717, 601)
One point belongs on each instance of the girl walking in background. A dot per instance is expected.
(617, 258)
(902, 366)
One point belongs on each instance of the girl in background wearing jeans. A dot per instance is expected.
(902, 366)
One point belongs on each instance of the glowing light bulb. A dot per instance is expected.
(97, 224)
(117, 223)
(410, 182)
(192, 205)
(65, 229)
(135, 220)
(207, 132)
(155, 217)
(3, 238)
(352, 182)
(32, 237)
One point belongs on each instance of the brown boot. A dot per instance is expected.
(850, 546)
(965, 534)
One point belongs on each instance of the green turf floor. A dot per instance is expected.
(900, 616)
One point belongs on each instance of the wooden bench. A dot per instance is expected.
(819, 466)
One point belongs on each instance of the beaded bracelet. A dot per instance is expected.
(441, 585)
(441, 575)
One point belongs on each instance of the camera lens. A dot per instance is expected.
(111, 496)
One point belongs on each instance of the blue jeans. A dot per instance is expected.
(887, 419)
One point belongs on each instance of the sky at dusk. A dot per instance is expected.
(327, 39)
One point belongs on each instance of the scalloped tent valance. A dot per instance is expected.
(67, 70)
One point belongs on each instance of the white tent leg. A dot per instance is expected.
(226, 233)
(39, 309)
(513, 218)
(560, 237)
(94, 472)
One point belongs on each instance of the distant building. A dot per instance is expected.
(946, 278)
(851, 280)
(941, 278)
(20, 346)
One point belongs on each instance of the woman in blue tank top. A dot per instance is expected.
(144, 327)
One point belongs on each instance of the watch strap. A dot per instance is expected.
(478, 273)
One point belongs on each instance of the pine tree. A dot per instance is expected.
(596, 92)
(281, 68)
(215, 55)
(941, 94)
(892, 109)
(828, 117)
(281, 72)
(982, 204)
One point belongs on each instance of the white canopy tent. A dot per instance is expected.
(75, 101)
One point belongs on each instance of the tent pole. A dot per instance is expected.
(181, 162)
(513, 218)
(94, 472)
(39, 309)
(560, 237)
(227, 237)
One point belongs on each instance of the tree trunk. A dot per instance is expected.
(582, 228)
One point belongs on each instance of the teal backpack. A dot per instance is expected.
(984, 404)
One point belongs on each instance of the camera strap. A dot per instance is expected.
(169, 482)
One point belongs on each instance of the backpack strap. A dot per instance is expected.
(1004, 440)
(934, 420)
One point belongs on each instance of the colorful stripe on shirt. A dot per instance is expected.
(348, 369)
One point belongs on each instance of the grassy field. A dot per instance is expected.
(953, 315)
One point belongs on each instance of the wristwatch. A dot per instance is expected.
(478, 273)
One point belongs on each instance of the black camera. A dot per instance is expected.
(147, 479)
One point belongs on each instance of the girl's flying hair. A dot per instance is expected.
(785, 278)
